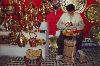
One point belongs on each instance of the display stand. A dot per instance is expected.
(15, 50)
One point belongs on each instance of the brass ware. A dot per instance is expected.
(33, 54)
(28, 22)
(37, 24)
(40, 42)
(20, 12)
(28, 27)
(36, 11)
(98, 1)
(95, 34)
(5, 24)
(92, 13)
(10, 22)
(1, 10)
(22, 24)
(49, 7)
(21, 40)
(44, 18)
(32, 42)
(15, 1)
(10, 8)
(31, 9)
(26, 17)
(45, 7)
(1, 14)
(13, 37)
(31, 12)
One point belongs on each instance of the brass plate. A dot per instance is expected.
(95, 34)
(79, 5)
(92, 13)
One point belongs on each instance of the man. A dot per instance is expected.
(72, 21)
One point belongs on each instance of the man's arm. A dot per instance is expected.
(80, 25)
(60, 24)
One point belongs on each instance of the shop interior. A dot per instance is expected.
(28, 32)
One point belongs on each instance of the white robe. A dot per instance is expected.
(76, 20)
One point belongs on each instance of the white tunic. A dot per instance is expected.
(76, 21)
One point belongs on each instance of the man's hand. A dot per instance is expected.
(68, 24)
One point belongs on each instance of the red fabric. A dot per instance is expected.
(37, 3)
(52, 18)
(88, 25)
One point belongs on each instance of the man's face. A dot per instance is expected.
(71, 12)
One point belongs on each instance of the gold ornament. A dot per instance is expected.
(92, 13)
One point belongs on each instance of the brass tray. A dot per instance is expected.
(92, 13)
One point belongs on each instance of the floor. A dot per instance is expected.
(93, 59)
